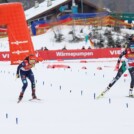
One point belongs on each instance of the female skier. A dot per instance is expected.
(128, 53)
(24, 71)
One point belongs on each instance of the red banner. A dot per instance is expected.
(71, 54)
(4, 56)
(18, 33)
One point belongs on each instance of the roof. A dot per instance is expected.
(44, 8)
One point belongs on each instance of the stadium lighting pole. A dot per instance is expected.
(73, 2)
(81, 6)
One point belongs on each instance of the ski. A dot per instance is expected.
(130, 96)
(100, 96)
(18, 101)
(102, 93)
(35, 99)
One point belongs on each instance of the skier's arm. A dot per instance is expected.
(18, 69)
(119, 60)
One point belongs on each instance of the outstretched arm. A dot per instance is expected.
(119, 59)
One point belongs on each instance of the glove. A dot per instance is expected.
(17, 76)
(116, 67)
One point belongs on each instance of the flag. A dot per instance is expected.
(91, 43)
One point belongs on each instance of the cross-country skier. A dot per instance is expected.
(24, 71)
(128, 53)
(121, 70)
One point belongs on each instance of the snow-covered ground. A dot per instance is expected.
(68, 105)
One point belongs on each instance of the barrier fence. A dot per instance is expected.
(71, 54)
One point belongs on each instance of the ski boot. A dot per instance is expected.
(20, 97)
(33, 94)
(131, 93)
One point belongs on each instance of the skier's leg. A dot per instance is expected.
(118, 75)
(121, 70)
(25, 83)
(131, 71)
(32, 80)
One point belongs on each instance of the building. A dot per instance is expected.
(52, 8)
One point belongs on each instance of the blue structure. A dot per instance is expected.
(75, 9)
(63, 8)
(73, 16)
